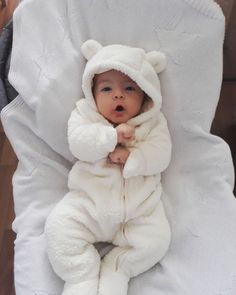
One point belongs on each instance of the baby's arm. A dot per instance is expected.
(90, 141)
(151, 156)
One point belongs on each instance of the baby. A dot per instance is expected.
(122, 143)
(118, 99)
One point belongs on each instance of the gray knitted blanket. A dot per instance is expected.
(7, 92)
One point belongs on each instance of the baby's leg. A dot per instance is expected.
(148, 238)
(70, 247)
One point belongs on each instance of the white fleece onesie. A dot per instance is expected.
(108, 203)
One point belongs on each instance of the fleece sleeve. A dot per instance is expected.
(151, 156)
(90, 141)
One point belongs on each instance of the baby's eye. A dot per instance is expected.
(130, 88)
(106, 89)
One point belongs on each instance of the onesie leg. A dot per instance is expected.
(71, 250)
(113, 281)
(147, 239)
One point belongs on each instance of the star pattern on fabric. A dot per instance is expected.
(42, 62)
(74, 15)
(67, 19)
(64, 25)
(191, 107)
(172, 43)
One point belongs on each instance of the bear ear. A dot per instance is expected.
(89, 48)
(157, 60)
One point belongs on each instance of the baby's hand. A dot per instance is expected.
(119, 155)
(125, 133)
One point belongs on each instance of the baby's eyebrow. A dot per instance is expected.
(103, 81)
(130, 81)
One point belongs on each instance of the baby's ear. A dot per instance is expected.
(89, 48)
(157, 60)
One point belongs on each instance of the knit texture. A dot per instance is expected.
(46, 69)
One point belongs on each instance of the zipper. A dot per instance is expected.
(124, 206)
(122, 226)
(124, 199)
(123, 202)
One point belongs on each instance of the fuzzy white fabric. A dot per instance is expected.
(134, 62)
(47, 69)
(107, 203)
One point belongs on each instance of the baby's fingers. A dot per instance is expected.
(129, 136)
(129, 133)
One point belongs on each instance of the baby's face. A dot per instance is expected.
(118, 98)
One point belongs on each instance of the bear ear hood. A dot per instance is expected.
(90, 48)
(158, 60)
(140, 66)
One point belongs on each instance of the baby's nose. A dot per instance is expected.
(118, 94)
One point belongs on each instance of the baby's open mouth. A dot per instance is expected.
(119, 108)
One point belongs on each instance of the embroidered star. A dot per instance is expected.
(43, 62)
(63, 21)
(74, 15)
(176, 44)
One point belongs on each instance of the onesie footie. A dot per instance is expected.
(112, 282)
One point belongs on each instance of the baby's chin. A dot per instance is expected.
(117, 122)
(119, 119)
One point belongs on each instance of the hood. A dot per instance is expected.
(141, 67)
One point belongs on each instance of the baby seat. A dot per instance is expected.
(46, 70)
